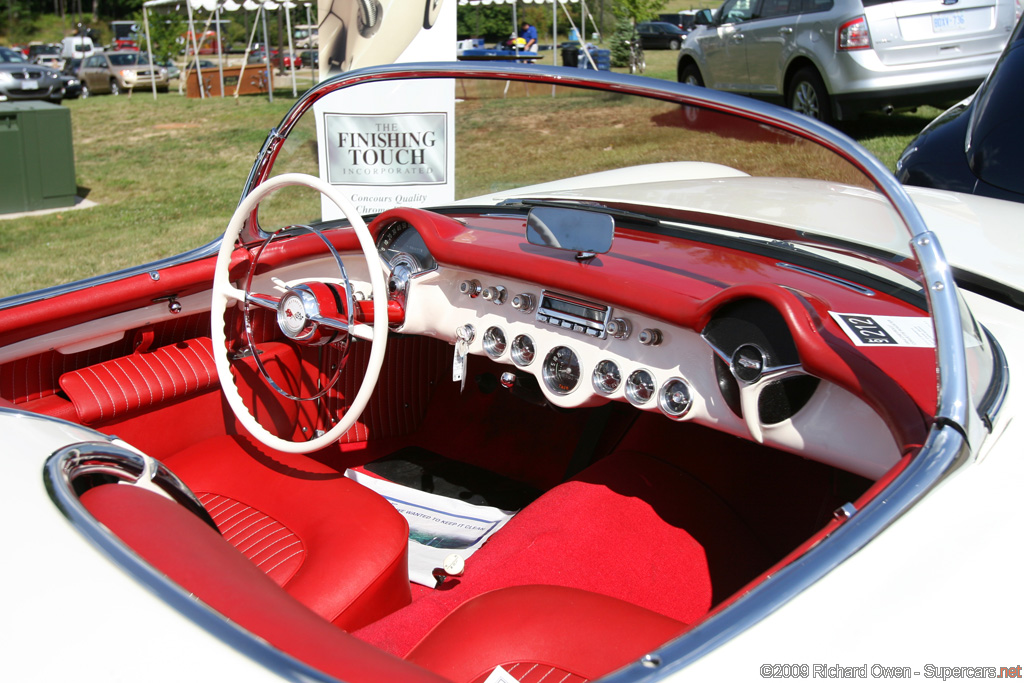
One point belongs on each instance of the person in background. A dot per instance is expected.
(529, 34)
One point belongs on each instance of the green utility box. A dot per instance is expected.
(37, 158)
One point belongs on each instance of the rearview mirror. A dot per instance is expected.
(586, 232)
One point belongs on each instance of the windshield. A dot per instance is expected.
(685, 164)
(677, 160)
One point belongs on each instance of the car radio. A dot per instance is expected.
(572, 314)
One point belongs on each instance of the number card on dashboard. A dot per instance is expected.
(887, 330)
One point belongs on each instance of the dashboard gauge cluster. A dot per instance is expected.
(582, 352)
(399, 244)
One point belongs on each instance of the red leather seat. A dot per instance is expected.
(334, 545)
(583, 635)
(550, 633)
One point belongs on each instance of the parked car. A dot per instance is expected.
(684, 19)
(77, 47)
(660, 35)
(259, 57)
(172, 69)
(716, 389)
(310, 58)
(47, 55)
(834, 59)
(21, 80)
(976, 146)
(117, 72)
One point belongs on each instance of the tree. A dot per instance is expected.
(637, 10)
(164, 31)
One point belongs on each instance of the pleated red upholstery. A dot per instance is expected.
(271, 546)
(137, 381)
(38, 376)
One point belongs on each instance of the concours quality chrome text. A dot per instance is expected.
(880, 671)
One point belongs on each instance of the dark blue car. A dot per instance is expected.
(977, 146)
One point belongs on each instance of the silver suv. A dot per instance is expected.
(833, 59)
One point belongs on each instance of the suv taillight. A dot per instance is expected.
(853, 35)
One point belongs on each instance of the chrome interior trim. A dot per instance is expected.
(163, 588)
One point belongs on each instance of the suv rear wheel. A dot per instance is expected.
(807, 95)
(691, 75)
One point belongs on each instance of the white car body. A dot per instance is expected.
(920, 582)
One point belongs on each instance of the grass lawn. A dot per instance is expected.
(166, 177)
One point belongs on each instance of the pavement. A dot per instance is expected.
(80, 203)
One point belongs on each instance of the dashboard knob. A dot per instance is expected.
(523, 302)
(618, 328)
(649, 337)
(470, 288)
(495, 295)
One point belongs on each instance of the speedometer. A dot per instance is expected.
(561, 370)
(400, 244)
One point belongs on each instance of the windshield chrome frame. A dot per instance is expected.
(955, 425)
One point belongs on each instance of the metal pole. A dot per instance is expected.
(195, 51)
(266, 59)
(220, 53)
(149, 46)
(291, 50)
(313, 49)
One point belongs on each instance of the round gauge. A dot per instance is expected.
(561, 370)
(523, 350)
(640, 387)
(607, 377)
(675, 398)
(494, 342)
(400, 244)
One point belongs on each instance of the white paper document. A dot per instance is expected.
(438, 526)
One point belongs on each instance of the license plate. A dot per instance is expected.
(949, 21)
(30, 85)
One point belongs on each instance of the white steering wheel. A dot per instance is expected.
(302, 302)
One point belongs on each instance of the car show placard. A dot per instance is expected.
(404, 157)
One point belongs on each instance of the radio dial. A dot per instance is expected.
(619, 328)
(649, 337)
(495, 294)
(470, 288)
(523, 302)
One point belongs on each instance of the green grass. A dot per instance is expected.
(166, 177)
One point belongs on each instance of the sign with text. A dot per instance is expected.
(390, 143)
(390, 149)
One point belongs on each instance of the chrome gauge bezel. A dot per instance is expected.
(667, 389)
(495, 342)
(633, 386)
(606, 378)
(519, 352)
(559, 363)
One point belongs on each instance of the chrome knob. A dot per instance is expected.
(508, 379)
(523, 302)
(495, 295)
(618, 328)
(649, 337)
(470, 288)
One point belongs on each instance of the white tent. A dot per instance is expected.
(215, 7)
(554, 15)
